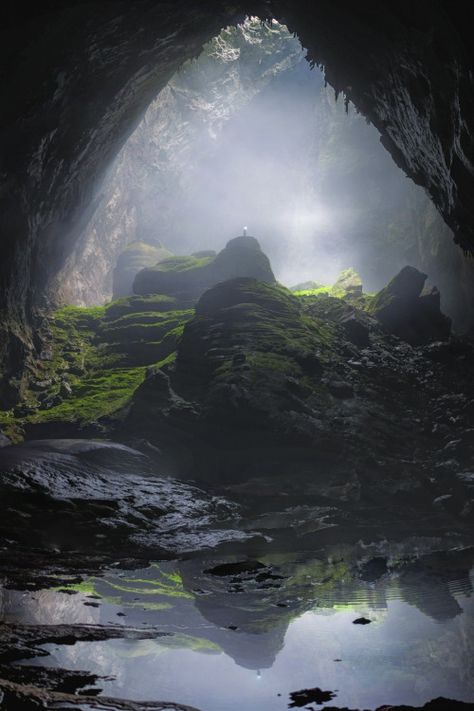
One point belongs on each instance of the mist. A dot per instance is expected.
(248, 135)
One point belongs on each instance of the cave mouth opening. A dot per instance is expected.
(248, 133)
(265, 487)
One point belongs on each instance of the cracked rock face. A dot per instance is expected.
(78, 77)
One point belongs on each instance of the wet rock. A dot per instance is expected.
(245, 566)
(101, 497)
(361, 621)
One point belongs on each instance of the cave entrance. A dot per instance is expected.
(248, 134)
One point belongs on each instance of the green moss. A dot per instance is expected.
(313, 292)
(139, 304)
(183, 264)
(85, 587)
(166, 584)
(94, 397)
(10, 426)
(134, 327)
(97, 359)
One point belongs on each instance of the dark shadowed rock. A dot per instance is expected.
(4, 441)
(341, 389)
(356, 331)
(300, 699)
(409, 312)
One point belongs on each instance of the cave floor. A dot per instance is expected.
(241, 598)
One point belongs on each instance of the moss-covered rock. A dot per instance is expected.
(186, 278)
(349, 282)
(133, 259)
(247, 375)
(93, 360)
(139, 304)
(347, 285)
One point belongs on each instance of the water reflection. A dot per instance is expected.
(243, 631)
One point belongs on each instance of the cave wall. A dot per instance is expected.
(76, 76)
(145, 192)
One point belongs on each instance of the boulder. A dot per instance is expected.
(4, 440)
(187, 278)
(349, 282)
(134, 258)
(407, 310)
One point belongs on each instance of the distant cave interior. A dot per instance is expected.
(237, 355)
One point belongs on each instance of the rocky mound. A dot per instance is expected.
(269, 384)
(132, 260)
(186, 278)
(409, 311)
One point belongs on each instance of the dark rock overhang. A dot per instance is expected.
(77, 76)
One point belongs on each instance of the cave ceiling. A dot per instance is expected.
(77, 77)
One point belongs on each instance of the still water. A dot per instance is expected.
(245, 636)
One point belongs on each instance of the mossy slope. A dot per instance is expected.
(92, 361)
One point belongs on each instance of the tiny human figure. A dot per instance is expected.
(245, 232)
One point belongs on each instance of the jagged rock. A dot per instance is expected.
(408, 311)
(187, 278)
(4, 440)
(134, 258)
(356, 331)
(349, 281)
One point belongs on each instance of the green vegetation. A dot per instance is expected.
(314, 292)
(183, 264)
(94, 398)
(139, 304)
(94, 360)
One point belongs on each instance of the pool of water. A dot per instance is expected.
(244, 635)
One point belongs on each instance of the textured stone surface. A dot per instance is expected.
(408, 311)
(76, 78)
(134, 258)
(186, 278)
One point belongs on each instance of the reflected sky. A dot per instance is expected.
(232, 649)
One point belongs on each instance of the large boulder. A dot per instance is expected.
(132, 260)
(187, 278)
(409, 311)
(348, 282)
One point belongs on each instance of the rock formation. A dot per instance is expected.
(134, 258)
(186, 278)
(408, 311)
